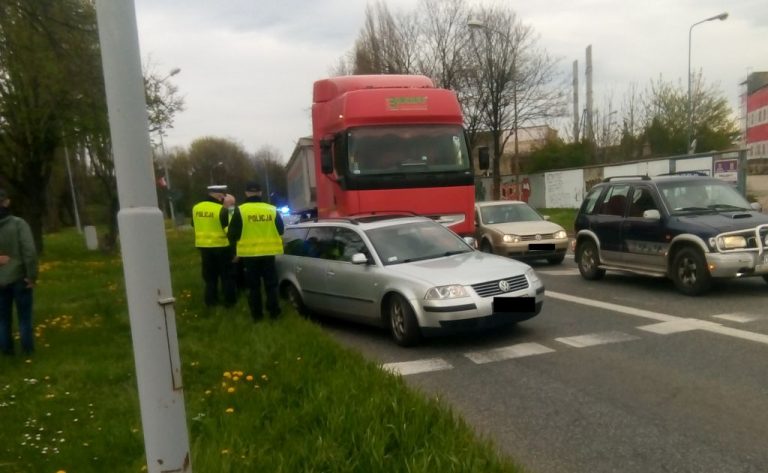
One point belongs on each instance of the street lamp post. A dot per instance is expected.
(721, 17)
(476, 24)
(210, 173)
(171, 73)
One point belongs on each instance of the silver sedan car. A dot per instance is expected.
(409, 274)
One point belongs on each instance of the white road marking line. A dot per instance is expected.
(740, 317)
(505, 353)
(593, 339)
(682, 323)
(613, 307)
(405, 368)
(674, 326)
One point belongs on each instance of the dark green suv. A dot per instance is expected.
(691, 229)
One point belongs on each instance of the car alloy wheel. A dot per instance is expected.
(690, 273)
(589, 261)
(294, 298)
(402, 321)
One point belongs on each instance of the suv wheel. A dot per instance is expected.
(586, 253)
(402, 321)
(689, 272)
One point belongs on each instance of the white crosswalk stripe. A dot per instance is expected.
(506, 353)
(593, 339)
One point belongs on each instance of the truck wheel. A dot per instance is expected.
(402, 322)
(586, 254)
(689, 272)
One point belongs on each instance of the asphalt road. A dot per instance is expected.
(619, 375)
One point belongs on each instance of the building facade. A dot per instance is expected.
(756, 118)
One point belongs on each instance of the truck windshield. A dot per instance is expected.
(411, 149)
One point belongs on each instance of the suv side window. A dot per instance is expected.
(293, 241)
(615, 200)
(590, 200)
(642, 200)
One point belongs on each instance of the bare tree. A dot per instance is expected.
(515, 81)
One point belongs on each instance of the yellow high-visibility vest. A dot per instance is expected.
(208, 230)
(259, 236)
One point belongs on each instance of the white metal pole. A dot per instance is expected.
(143, 243)
(72, 191)
(167, 180)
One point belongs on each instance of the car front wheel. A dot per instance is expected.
(294, 298)
(690, 273)
(402, 321)
(486, 247)
(589, 261)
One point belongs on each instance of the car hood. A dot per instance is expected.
(723, 221)
(466, 268)
(524, 228)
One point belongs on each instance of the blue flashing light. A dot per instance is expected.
(285, 210)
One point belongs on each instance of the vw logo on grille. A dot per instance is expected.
(504, 286)
(538, 237)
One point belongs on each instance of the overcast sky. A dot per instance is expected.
(247, 66)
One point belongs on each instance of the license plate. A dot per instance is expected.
(514, 304)
(541, 247)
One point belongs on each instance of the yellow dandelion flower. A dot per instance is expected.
(238, 373)
(235, 378)
(223, 384)
(230, 410)
(264, 377)
(61, 471)
(225, 451)
(249, 378)
(227, 374)
(298, 358)
(207, 392)
(231, 390)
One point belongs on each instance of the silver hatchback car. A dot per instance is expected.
(407, 273)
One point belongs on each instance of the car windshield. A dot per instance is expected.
(508, 213)
(693, 196)
(397, 149)
(415, 242)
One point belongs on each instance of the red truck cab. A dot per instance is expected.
(391, 143)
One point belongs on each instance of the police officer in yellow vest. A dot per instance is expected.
(210, 219)
(256, 227)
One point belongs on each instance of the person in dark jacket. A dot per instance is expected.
(255, 229)
(210, 219)
(18, 274)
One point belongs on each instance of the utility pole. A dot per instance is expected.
(576, 101)
(144, 246)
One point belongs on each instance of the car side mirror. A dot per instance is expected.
(483, 158)
(470, 241)
(652, 214)
(326, 156)
(359, 258)
(756, 206)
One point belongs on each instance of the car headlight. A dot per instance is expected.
(532, 276)
(453, 291)
(560, 234)
(511, 239)
(731, 242)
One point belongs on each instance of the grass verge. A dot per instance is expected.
(267, 397)
(563, 217)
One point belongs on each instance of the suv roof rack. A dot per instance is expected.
(644, 177)
(686, 173)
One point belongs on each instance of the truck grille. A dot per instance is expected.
(491, 288)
